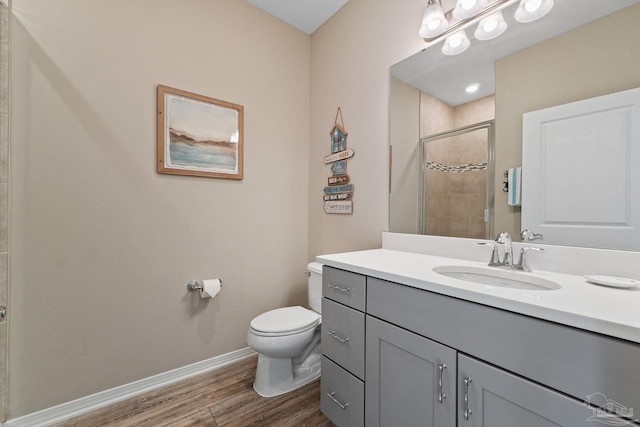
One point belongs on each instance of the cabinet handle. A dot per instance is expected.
(441, 395)
(340, 404)
(339, 288)
(336, 337)
(466, 411)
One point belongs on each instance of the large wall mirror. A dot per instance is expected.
(581, 49)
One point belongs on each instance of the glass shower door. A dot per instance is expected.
(456, 172)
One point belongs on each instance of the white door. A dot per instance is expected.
(581, 172)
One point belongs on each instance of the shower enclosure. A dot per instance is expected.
(456, 182)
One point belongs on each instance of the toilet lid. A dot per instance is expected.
(287, 319)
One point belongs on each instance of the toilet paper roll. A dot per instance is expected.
(210, 288)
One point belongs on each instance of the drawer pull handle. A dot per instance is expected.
(466, 411)
(339, 288)
(441, 395)
(336, 337)
(340, 404)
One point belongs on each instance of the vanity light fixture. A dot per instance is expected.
(434, 22)
(530, 10)
(491, 27)
(456, 43)
(439, 24)
(468, 8)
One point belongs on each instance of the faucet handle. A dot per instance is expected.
(495, 258)
(503, 237)
(523, 263)
(527, 235)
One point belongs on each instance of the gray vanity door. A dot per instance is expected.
(496, 398)
(403, 382)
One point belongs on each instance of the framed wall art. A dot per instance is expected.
(198, 135)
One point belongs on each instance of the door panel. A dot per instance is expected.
(580, 183)
(403, 379)
(497, 398)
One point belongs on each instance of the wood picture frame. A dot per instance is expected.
(198, 135)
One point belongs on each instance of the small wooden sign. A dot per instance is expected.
(339, 189)
(339, 167)
(338, 207)
(338, 193)
(338, 180)
(339, 196)
(341, 155)
(338, 139)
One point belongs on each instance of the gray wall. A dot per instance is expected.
(102, 245)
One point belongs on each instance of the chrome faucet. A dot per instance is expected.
(505, 239)
(507, 261)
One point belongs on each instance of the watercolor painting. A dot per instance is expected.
(198, 135)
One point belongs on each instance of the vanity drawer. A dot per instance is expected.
(341, 396)
(345, 287)
(343, 336)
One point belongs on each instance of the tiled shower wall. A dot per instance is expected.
(455, 202)
(4, 191)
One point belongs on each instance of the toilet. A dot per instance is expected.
(287, 341)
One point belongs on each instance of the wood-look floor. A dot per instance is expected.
(221, 398)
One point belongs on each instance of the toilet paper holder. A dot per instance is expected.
(193, 285)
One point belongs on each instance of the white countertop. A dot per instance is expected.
(605, 310)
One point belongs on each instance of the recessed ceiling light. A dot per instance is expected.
(472, 88)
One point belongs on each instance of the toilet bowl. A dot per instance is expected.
(287, 341)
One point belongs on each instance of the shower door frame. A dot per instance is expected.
(489, 126)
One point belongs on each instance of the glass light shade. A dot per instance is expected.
(491, 27)
(456, 43)
(434, 22)
(530, 10)
(468, 8)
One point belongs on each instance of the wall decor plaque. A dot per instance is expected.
(338, 193)
(338, 179)
(338, 207)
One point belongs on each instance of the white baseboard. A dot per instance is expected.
(95, 401)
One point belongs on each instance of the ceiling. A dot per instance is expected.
(446, 77)
(305, 15)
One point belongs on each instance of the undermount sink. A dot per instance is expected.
(497, 277)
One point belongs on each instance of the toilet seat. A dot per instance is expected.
(285, 321)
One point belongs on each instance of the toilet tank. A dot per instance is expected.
(314, 270)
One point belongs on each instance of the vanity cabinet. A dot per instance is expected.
(342, 395)
(343, 336)
(344, 287)
(435, 360)
(410, 380)
(492, 397)
(343, 347)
